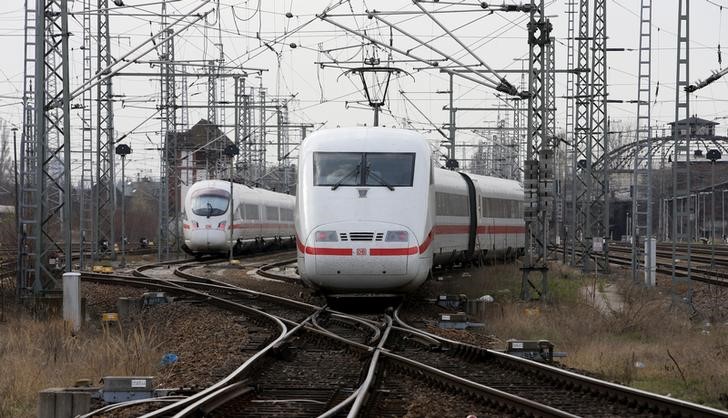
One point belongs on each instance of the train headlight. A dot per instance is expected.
(221, 225)
(397, 236)
(326, 236)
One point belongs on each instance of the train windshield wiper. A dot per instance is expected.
(378, 178)
(209, 209)
(353, 172)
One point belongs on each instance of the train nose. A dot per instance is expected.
(361, 249)
(205, 239)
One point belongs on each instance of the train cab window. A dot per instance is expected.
(210, 202)
(271, 213)
(337, 168)
(389, 169)
(251, 212)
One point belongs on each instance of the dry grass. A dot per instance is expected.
(40, 354)
(641, 342)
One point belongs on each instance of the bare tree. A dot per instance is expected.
(7, 188)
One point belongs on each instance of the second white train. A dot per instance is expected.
(259, 218)
(373, 214)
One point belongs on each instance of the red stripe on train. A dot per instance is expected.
(426, 243)
(252, 226)
(322, 251)
(393, 251)
(328, 251)
(438, 229)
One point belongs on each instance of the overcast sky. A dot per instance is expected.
(257, 34)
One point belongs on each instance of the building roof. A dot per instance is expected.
(694, 120)
(198, 135)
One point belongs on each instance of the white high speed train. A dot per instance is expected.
(373, 213)
(260, 217)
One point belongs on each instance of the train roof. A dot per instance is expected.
(263, 194)
(488, 186)
(364, 139)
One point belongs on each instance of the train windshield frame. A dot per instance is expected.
(370, 169)
(210, 202)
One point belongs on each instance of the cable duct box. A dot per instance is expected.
(127, 388)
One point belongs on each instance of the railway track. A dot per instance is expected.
(315, 362)
(310, 361)
(409, 352)
(701, 271)
(357, 335)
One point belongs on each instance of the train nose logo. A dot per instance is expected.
(363, 192)
(361, 251)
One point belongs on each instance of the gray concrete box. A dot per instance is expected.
(127, 388)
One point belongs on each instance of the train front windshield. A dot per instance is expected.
(210, 203)
(363, 169)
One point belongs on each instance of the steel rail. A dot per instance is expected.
(504, 399)
(676, 406)
(366, 386)
(177, 287)
(705, 275)
(222, 388)
(376, 333)
(127, 404)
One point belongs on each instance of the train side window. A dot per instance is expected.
(286, 215)
(271, 213)
(252, 212)
(449, 204)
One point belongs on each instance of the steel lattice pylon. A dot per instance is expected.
(283, 141)
(551, 145)
(184, 122)
(28, 160)
(517, 124)
(221, 95)
(45, 198)
(212, 92)
(87, 153)
(105, 195)
(214, 149)
(567, 233)
(598, 182)
(579, 196)
(538, 179)
(642, 175)
(248, 145)
(682, 205)
(241, 122)
(169, 228)
(259, 157)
